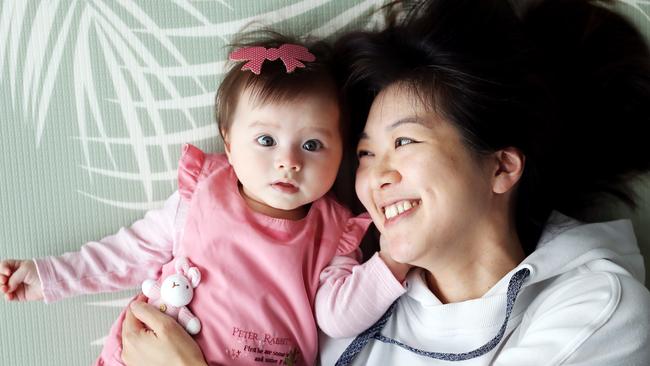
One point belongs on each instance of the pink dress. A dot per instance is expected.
(260, 275)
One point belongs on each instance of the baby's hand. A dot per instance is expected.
(19, 280)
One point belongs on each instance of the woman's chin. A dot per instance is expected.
(402, 253)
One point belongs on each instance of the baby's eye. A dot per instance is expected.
(266, 140)
(312, 145)
(401, 141)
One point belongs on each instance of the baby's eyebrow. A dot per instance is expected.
(263, 124)
(321, 130)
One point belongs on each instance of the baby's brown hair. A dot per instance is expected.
(274, 84)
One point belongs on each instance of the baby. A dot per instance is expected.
(258, 222)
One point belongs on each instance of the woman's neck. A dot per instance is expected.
(484, 262)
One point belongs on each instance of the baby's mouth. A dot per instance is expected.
(285, 187)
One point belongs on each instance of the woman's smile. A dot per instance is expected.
(398, 210)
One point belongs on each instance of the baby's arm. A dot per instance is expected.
(19, 280)
(116, 262)
(352, 296)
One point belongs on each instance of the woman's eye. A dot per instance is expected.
(363, 154)
(401, 141)
(312, 145)
(266, 140)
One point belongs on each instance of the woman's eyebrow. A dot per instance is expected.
(402, 121)
(394, 125)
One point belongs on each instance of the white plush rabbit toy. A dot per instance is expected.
(175, 293)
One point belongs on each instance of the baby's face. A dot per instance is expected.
(285, 154)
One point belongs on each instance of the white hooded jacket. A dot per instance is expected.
(583, 303)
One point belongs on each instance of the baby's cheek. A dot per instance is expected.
(321, 182)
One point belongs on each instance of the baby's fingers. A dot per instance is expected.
(10, 296)
(6, 269)
(8, 266)
(3, 283)
(16, 278)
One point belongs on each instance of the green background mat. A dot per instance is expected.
(96, 99)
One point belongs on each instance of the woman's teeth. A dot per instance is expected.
(399, 207)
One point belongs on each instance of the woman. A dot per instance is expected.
(485, 124)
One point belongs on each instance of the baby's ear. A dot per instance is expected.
(226, 142)
(194, 275)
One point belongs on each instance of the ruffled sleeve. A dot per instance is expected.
(189, 170)
(354, 230)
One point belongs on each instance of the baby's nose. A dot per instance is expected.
(288, 160)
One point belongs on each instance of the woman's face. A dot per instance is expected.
(423, 188)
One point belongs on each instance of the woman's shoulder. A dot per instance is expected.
(599, 286)
(583, 311)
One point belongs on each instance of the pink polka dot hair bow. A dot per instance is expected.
(290, 54)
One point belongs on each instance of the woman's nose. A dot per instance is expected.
(288, 160)
(386, 175)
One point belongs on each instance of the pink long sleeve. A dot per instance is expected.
(116, 262)
(353, 296)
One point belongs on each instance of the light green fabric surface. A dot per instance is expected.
(96, 98)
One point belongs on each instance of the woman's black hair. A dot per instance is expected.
(565, 81)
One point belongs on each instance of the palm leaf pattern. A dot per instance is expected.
(138, 78)
(122, 64)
